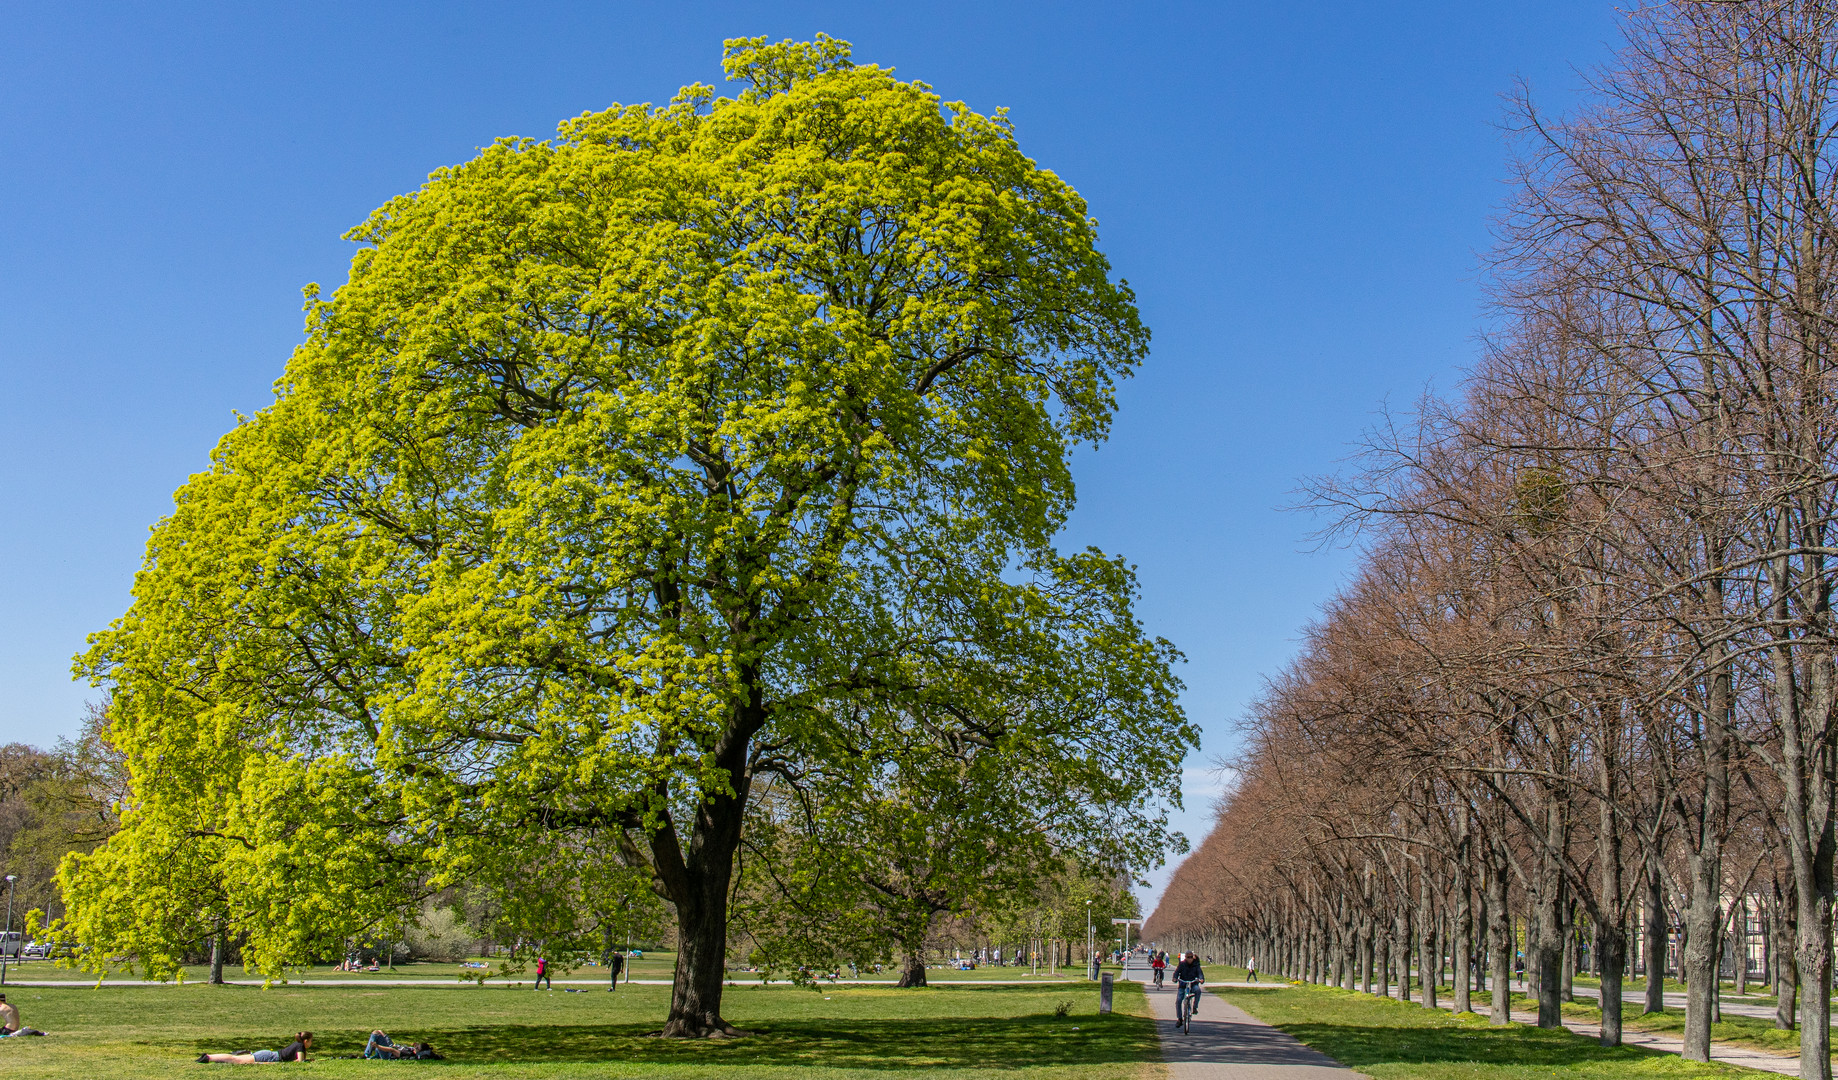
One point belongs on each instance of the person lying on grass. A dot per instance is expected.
(293, 1051)
(379, 1046)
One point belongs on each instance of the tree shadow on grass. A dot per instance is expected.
(1361, 1031)
(1359, 1046)
(942, 1043)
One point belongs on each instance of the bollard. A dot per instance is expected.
(1104, 994)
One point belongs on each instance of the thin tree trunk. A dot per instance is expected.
(1658, 929)
(1462, 951)
(1782, 935)
(1429, 954)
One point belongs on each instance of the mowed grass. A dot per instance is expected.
(1393, 1040)
(652, 965)
(657, 965)
(843, 1032)
(1749, 1031)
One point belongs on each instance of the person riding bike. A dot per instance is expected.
(1188, 978)
(1159, 962)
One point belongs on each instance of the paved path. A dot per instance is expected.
(1227, 1043)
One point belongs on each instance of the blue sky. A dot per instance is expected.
(1298, 192)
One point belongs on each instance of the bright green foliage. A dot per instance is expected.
(624, 469)
(972, 795)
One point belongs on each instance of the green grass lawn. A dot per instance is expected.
(653, 965)
(1738, 1030)
(1392, 1040)
(969, 1032)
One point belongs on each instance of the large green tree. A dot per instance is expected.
(620, 466)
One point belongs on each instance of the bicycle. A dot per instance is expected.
(1186, 1003)
(1159, 972)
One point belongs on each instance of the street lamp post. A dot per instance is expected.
(1091, 942)
(7, 941)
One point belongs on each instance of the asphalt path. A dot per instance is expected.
(1223, 1042)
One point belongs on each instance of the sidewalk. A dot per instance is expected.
(1227, 1043)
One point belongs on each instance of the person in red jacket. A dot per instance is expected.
(542, 974)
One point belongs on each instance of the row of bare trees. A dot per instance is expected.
(1585, 670)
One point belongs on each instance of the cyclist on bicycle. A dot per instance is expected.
(1159, 961)
(1188, 978)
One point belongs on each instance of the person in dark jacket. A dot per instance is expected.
(1188, 978)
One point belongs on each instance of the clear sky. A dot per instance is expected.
(1298, 192)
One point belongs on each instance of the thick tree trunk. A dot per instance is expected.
(1546, 958)
(701, 968)
(697, 878)
(1611, 959)
(1382, 962)
(912, 967)
(217, 950)
(1813, 958)
(1500, 945)
(1703, 921)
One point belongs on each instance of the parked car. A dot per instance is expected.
(43, 949)
(11, 943)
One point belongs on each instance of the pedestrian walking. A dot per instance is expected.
(614, 965)
(542, 974)
(1252, 968)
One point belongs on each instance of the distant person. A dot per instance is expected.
(1159, 962)
(380, 1047)
(1251, 969)
(614, 965)
(293, 1051)
(375, 965)
(542, 974)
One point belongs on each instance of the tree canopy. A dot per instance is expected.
(704, 443)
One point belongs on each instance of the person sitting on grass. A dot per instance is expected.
(9, 1021)
(379, 1046)
(293, 1051)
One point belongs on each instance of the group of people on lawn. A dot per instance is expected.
(379, 1048)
